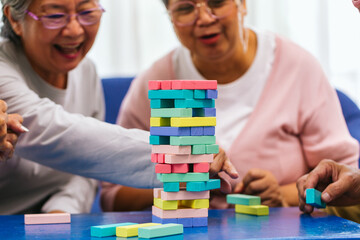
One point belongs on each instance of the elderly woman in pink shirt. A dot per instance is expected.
(277, 115)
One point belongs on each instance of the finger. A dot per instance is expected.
(321, 173)
(229, 168)
(258, 186)
(336, 189)
(217, 164)
(12, 138)
(239, 187)
(225, 186)
(252, 175)
(3, 106)
(15, 123)
(300, 184)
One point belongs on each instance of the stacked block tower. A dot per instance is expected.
(182, 134)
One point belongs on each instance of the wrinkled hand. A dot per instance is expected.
(261, 183)
(339, 184)
(222, 163)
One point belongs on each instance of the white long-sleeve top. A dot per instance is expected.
(64, 135)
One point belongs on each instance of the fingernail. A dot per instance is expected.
(326, 197)
(24, 128)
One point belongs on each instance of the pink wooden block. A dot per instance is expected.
(180, 213)
(163, 168)
(154, 85)
(182, 195)
(178, 159)
(161, 158)
(194, 84)
(166, 85)
(154, 157)
(171, 149)
(179, 168)
(157, 192)
(47, 218)
(201, 167)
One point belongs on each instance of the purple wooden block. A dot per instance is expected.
(170, 131)
(156, 219)
(186, 222)
(209, 131)
(211, 94)
(200, 222)
(197, 131)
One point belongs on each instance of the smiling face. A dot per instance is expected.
(210, 38)
(56, 51)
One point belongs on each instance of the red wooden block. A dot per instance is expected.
(161, 158)
(154, 157)
(179, 168)
(163, 168)
(194, 84)
(165, 85)
(201, 167)
(154, 85)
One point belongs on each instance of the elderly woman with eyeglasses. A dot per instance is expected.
(277, 115)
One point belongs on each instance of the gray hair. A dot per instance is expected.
(17, 11)
(166, 2)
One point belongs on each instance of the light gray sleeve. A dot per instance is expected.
(74, 143)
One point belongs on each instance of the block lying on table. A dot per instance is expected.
(47, 218)
(161, 230)
(259, 210)
(243, 199)
(132, 230)
(107, 230)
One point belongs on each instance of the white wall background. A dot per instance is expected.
(134, 33)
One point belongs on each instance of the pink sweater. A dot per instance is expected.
(296, 123)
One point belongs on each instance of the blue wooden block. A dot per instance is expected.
(197, 131)
(170, 131)
(156, 219)
(204, 112)
(171, 94)
(209, 131)
(107, 230)
(199, 94)
(200, 222)
(313, 198)
(186, 222)
(196, 186)
(171, 186)
(162, 103)
(194, 103)
(159, 140)
(211, 94)
(213, 184)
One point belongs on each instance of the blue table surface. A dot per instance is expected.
(282, 223)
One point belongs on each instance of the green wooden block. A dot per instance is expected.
(162, 103)
(198, 149)
(172, 112)
(183, 177)
(160, 230)
(313, 198)
(243, 199)
(107, 230)
(159, 140)
(192, 140)
(199, 94)
(171, 94)
(194, 103)
(212, 149)
(170, 186)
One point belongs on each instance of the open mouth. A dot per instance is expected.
(68, 50)
(210, 39)
(209, 36)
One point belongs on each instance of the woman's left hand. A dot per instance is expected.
(261, 183)
(222, 163)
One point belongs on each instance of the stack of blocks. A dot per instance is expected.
(247, 204)
(182, 132)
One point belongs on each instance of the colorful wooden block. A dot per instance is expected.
(213, 184)
(166, 204)
(212, 149)
(243, 199)
(170, 131)
(194, 103)
(193, 121)
(179, 168)
(168, 149)
(161, 230)
(199, 94)
(154, 157)
(183, 177)
(198, 149)
(162, 103)
(47, 218)
(171, 186)
(194, 84)
(204, 112)
(156, 219)
(313, 198)
(211, 94)
(132, 230)
(203, 185)
(181, 195)
(192, 140)
(209, 131)
(259, 210)
(160, 122)
(197, 131)
(171, 94)
(107, 230)
(154, 85)
(161, 158)
(200, 222)
(201, 167)
(157, 193)
(165, 85)
(196, 203)
(159, 140)
(180, 213)
(172, 112)
(186, 222)
(163, 168)
(178, 159)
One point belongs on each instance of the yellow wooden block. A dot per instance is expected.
(159, 122)
(166, 204)
(193, 122)
(258, 210)
(132, 230)
(197, 203)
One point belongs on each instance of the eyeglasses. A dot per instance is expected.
(60, 20)
(185, 13)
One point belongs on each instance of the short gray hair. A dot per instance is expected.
(17, 10)
(166, 2)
